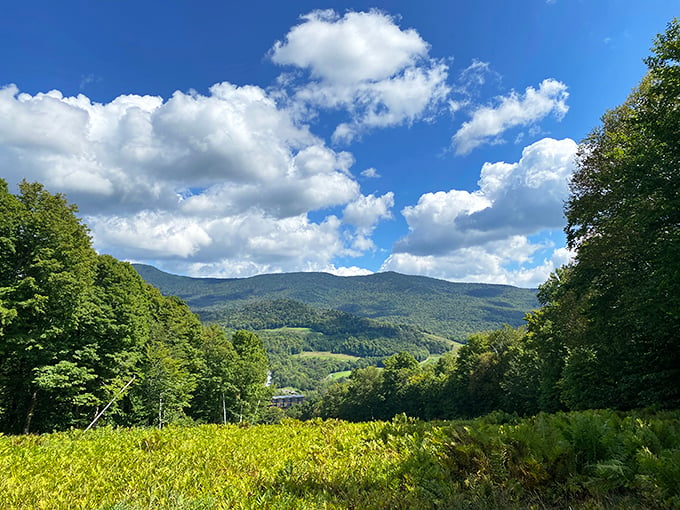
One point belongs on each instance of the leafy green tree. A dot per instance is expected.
(46, 274)
(166, 386)
(215, 398)
(474, 386)
(251, 369)
(332, 402)
(171, 361)
(624, 223)
(521, 382)
(399, 395)
(552, 331)
(364, 398)
(115, 331)
(76, 328)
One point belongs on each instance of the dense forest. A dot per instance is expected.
(301, 341)
(80, 330)
(76, 327)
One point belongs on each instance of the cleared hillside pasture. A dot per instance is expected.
(327, 355)
(592, 459)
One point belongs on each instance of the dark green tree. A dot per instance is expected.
(624, 223)
(399, 395)
(170, 363)
(364, 399)
(251, 369)
(46, 276)
(552, 331)
(77, 327)
(474, 386)
(215, 397)
(115, 331)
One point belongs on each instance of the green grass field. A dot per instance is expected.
(578, 460)
(286, 329)
(326, 355)
(339, 375)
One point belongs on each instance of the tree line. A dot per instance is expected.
(76, 327)
(607, 332)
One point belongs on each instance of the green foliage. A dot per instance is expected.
(166, 386)
(607, 334)
(494, 370)
(298, 328)
(214, 400)
(76, 327)
(329, 330)
(592, 459)
(250, 374)
(46, 272)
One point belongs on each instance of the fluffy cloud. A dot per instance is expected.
(475, 235)
(228, 245)
(502, 262)
(364, 63)
(225, 180)
(370, 173)
(489, 122)
(361, 46)
(139, 152)
(364, 214)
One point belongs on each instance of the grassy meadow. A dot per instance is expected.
(592, 459)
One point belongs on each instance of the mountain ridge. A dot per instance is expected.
(453, 310)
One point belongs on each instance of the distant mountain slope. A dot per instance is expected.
(453, 310)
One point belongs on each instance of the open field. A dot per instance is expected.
(326, 355)
(339, 375)
(287, 329)
(593, 459)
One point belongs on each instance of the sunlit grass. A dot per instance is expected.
(594, 459)
(327, 355)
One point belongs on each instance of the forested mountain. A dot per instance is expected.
(452, 310)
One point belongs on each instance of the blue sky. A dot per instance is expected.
(232, 139)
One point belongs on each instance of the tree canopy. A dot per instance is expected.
(76, 326)
(624, 223)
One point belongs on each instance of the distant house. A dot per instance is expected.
(285, 401)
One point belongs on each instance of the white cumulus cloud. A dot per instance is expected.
(476, 236)
(364, 63)
(502, 262)
(223, 181)
(364, 214)
(489, 122)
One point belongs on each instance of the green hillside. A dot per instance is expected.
(451, 310)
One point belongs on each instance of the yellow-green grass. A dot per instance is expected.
(286, 329)
(453, 345)
(195, 467)
(592, 459)
(339, 375)
(326, 355)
